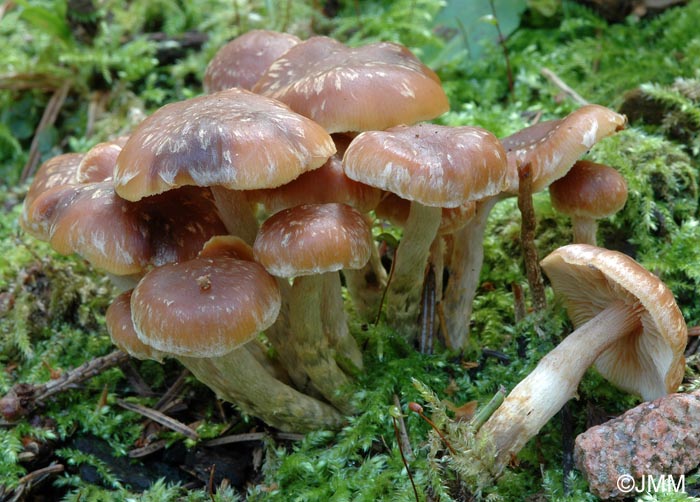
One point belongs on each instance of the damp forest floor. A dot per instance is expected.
(119, 61)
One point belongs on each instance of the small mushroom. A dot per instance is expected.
(588, 193)
(204, 312)
(626, 322)
(311, 243)
(434, 167)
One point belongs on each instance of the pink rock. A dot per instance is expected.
(657, 438)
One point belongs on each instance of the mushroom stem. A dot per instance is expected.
(311, 343)
(281, 339)
(537, 398)
(335, 324)
(236, 213)
(366, 286)
(464, 267)
(238, 377)
(585, 229)
(411, 258)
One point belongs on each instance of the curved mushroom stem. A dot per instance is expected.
(464, 267)
(537, 398)
(311, 343)
(585, 230)
(236, 213)
(411, 258)
(239, 378)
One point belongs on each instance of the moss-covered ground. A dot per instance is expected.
(116, 71)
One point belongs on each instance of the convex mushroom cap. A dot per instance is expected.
(354, 89)
(434, 165)
(121, 329)
(589, 190)
(648, 361)
(233, 138)
(313, 239)
(324, 185)
(242, 61)
(206, 306)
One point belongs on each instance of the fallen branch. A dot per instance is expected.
(23, 398)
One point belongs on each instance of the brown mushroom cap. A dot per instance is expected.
(98, 163)
(313, 239)
(121, 330)
(232, 138)
(204, 307)
(123, 237)
(589, 190)
(552, 147)
(432, 164)
(650, 360)
(242, 61)
(344, 89)
(324, 185)
(57, 171)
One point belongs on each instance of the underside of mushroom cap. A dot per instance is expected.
(650, 360)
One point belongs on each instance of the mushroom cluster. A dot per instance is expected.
(229, 219)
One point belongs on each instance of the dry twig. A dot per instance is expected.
(23, 397)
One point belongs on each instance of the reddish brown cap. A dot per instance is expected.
(98, 163)
(121, 329)
(432, 164)
(649, 361)
(344, 89)
(204, 307)
(57, 171)
(232, 138)
(589, 190)
(313, 239)
(552, 147)
(227, 245)
(324, 185)
(242, 61)
(123, 237)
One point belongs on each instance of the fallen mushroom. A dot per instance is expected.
(588, 193)
(627, 323)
